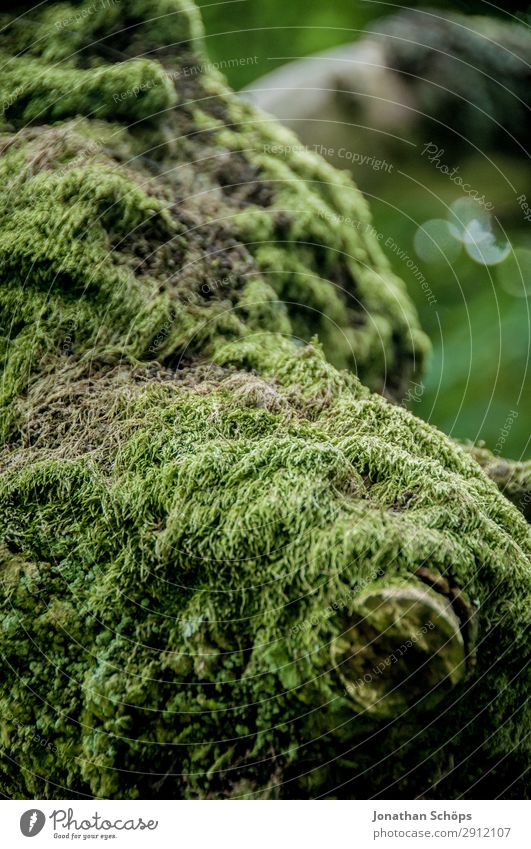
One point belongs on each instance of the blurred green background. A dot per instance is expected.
(479, 325)
(277, 30)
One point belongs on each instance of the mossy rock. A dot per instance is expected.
(469, 73)
(199, 511)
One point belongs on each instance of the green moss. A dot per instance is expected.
(512, 477)
(191, 493)
(299, 223)
(177, 537)
(33, 91)
(74, 31)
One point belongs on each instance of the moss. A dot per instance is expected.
(195, 502)
(76, 31)
(214, 159)
(32, 91)
(513, 477)
(176, 537)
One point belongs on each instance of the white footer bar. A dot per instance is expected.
(275, 825)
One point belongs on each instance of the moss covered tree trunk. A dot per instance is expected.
(228, 568)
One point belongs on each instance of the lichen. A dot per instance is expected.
(194, 498)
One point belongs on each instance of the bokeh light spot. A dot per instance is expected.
(434, 242)
(515, 273)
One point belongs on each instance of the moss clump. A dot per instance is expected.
(32, 91)
(182, 557)
(195, 503)
(258, 215)
(512, 477)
